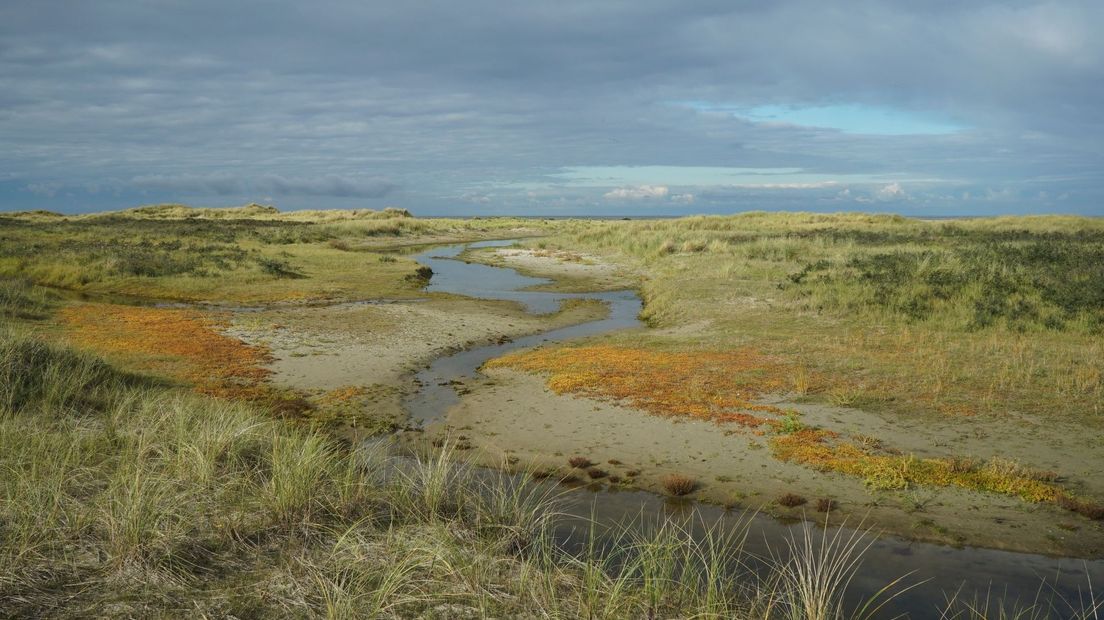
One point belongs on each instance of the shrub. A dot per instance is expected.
(1081, 507)
(679, 484)
(421, 275)
(278, 268)
(596, 473)
(581, 462)
(825, 504)
(791, 500)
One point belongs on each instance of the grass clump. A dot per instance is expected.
(19, 299)
(679, 484)
(791, 500)
(278, 268)
(37, 378)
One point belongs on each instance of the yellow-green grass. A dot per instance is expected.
(826, 451)
(244, 255)
(884, 311)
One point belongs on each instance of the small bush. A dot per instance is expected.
(421, 275)
(581, 462)
(1081, 507)
(790, 423)
(825, 504)
(962, 464)
(278, 268)
(596, 474)
(791, 500)
(678, 484)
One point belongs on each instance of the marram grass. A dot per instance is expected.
(122, 498)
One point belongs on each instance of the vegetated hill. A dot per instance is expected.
(37, 214)
(251, 211)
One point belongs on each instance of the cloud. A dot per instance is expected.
(225, 184)
(892, 191)
(424, 99)
(476, 198)
(813, 185)
(639, 192)
(219, 184)
(328, 185)
(48, 190)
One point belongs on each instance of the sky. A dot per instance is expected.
(634, 107)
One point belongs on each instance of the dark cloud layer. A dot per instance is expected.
(479, 106)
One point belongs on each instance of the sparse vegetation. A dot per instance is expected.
(823, 450)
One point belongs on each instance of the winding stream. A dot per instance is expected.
(946, 569)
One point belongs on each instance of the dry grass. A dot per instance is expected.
(580, 462)
(791, 500)
(679, 484)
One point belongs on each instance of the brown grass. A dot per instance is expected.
(825, 504)
(581, 462)
(679, 484)
(791, 500)
(1084, 508)
(596, 473)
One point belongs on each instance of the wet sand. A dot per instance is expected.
(512, 416)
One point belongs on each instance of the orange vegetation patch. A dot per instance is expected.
(179, 343)
(825, 451)
(718, 386)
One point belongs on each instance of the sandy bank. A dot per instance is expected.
(512, 416)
